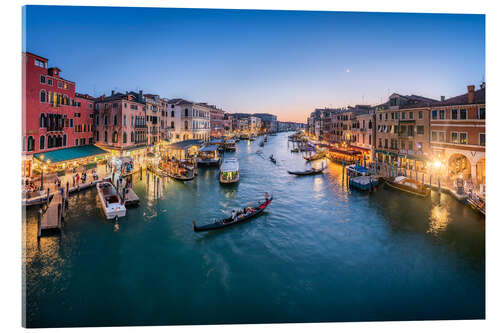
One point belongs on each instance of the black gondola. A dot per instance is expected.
(272, 159)
(230, 221)
(312, 171)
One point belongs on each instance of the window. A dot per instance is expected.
(420, 129)
(392, 115)
(96, 135)
(64, 140)
(43, 97)
(410, 130)
(410, 145)
(463, 138)
(463, 114)
(482, 139)
(420, 115)
(49, 82)
(105, 120)
(132, 139)
(42, 78)
(82, 141)
(454, 137)
(403, 145)
(482, 113)
(411, 115)
(106, 136)
(115, 137)
(434, 114)
(454, 114)
(441, 114)
(172, 114)
(433, 136)
(380, 116)
(76, 142)
(60, 84)
(186, 125)
(42, 142)
(124, 120)
(115, 105)
(124, 137)
(115, 120)
(40, 63)
(186, 112)
(386, 115)
(97, 119)
(386, 142)
(172, 125)
(403, 115)
(71, 122)
(441, 137)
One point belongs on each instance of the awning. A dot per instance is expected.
(181, 145)
(386, 152)
(413, 157)
(69, 154)
(208, 149)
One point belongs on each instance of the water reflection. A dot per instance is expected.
(439, 219)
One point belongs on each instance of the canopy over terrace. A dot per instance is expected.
(183, 149)
(76, 156)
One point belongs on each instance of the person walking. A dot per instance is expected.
(73, 180)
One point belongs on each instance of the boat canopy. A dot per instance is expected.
(217, 141)
(230, 141)
(182, 145)
(230, 165)
(208, 149)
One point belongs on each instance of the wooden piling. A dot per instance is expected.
(39, 223)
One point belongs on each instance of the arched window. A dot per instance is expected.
(186, 126)
(124, 137)
(106, 136)
(172, 113)
(115, 137)
(42, 120)
(64, 140)
(132, 137)
(115, 120)
(43, 96)
(172, 126)
(42, 142)
(186, 112)
(96, 135)
(31, 143)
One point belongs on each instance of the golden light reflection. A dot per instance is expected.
(438, 220)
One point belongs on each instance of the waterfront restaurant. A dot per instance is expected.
(343, 153)
(59, 161)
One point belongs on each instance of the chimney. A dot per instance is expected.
(470, 94)
(112, 92)
(442, 98)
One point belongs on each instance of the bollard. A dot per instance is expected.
(39, 223)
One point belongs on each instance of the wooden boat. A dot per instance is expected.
(261, 144)
(229, 171)
(229, 221)
(477, 203)
(252, 137)
(110, 200)
(312, 171)
(265, 138)
(408, 185)
(272, 159)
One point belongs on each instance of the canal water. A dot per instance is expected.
(318, 253)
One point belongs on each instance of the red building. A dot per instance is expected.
(53, 116)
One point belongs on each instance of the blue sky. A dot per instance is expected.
(282, 62)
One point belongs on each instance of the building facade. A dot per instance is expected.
(188, 120)
(50, 111)
(458, 135)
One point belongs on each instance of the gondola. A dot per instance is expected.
(261, 144)
(272, 159)
(314, 157)
(409, 186)
(230, 221)
(312, 171)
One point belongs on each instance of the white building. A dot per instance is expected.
(187, 120)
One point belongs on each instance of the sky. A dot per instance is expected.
(283, 62)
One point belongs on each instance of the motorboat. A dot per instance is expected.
(408, 185)
(230, 145)
(111, 202)
(229, 171)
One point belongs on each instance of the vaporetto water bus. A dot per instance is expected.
(229, 171)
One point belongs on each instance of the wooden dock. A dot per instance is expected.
(54, 214)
